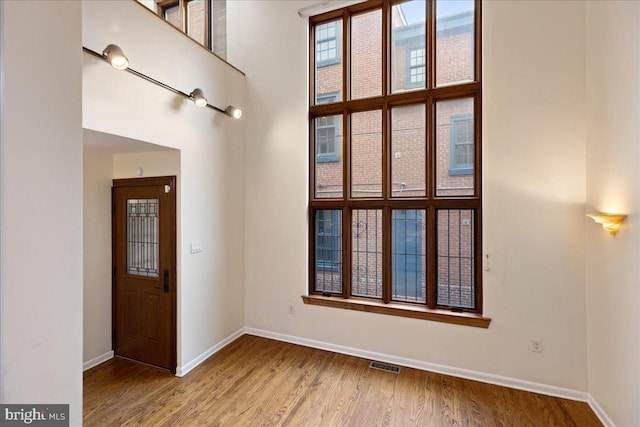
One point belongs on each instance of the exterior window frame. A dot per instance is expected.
(429, 95)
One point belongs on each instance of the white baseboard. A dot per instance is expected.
(604, 418)
(97, 360)
(444, 369)
(183, 370)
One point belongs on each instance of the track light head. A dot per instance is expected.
(197, 96)
(234, 112)
(114, 56)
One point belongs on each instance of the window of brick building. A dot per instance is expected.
(327, 133)
(395, 216)
(327, 44)
(415, 67)
(327, 141)
(461, 146)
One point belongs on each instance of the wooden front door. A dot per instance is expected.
(144, 270)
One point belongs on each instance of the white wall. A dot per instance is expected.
(42, 204)
(96, 235)
(210, 293)
(159, 163)
(534, 163)
(613, 185)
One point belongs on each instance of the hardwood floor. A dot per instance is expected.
(260, 382)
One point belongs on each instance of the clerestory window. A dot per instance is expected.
(202, 20)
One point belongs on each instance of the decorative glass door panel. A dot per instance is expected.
(142, 237)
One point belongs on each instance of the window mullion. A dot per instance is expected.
(432, 257)
(183, 15)
(477, 149)
(430, 151)
(208, 25)
(386, 255)
(430, 66)
(346, 254)
(346, 57)
(386, 150)
(478, 258)
(430, 43)
(386, 7)
(478, 41)
(346, 194)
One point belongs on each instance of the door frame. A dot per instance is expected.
(173, 294)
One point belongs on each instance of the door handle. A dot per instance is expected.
(166, 280)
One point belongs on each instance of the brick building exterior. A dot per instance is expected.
(454, 157)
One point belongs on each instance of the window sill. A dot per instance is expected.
(327, 62)
(327, 158)
(402, 310)
(460, 171)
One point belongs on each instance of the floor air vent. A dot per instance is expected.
(385, 367)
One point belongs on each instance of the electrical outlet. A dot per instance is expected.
(292, 309)
(196, 247)
(536, 345)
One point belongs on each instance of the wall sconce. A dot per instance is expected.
(114, 56)
(197, 96)
(610, 222)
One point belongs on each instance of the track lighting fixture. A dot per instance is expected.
(234, 112)
(197, 96)
(114, 56)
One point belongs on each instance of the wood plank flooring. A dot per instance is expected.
(260, 382)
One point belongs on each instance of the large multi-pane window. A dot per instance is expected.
(395, 216)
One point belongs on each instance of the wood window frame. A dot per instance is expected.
(183, 6)
(431, 203)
